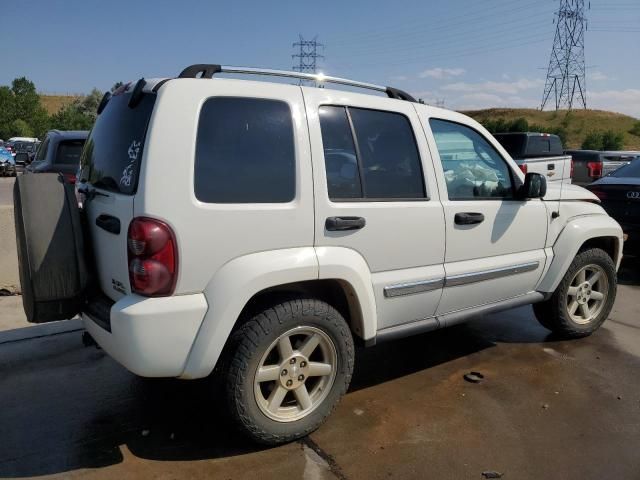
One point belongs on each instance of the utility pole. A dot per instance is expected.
(566, 72)
(307, 55)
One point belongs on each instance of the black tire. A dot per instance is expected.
(553, 313)
(252, 341)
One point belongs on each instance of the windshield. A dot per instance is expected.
(630, 170)
(111, 157)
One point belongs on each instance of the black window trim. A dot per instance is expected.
(516, 183)
(296, 175)
(363, 199)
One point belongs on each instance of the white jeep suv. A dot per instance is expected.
(260, 229)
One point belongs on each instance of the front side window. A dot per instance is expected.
(245, 152)
(370, 154)
(473, 169)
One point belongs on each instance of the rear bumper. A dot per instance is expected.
(151, 337)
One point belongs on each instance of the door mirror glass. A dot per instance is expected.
(535, 186)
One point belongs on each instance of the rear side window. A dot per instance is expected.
(370, 154)
(69, 152)
(245, 152)
(111, 159)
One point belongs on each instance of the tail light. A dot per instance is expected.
(523, 167)
(571, 171)
(595, 169)
(602, 195)
(153, 259)
(70, 177)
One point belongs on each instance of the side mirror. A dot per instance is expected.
(535, 186)
(22, 158)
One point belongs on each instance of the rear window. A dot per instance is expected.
(513, 144)
(630, 170)
(69, 152)
(111, 158)
(245, 152)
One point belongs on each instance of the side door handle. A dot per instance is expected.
(344, 223)
(468, 218)
(109, 223)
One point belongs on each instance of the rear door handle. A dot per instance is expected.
(344, 223)
(109, 223)
(468, 218)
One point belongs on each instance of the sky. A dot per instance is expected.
(468, 53)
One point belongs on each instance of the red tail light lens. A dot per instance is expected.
(524, 168)
(70, 177)
(571, 171)
(595, 169)
(599, 193)
(153, 259)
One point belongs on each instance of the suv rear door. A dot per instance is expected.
(110, 165)
(375, 194)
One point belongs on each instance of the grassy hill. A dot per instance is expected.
(577, 123)
(53, 103)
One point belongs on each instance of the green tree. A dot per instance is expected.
(7, 112)
(635, 130)
(593, 141)
(612, 140)
(21, 128)
(519, 125)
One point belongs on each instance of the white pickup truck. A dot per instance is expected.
(258, 231)
(538, 153)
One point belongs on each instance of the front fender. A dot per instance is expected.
(232, 287)
(571, 238)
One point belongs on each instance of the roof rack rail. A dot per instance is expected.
(204, 70)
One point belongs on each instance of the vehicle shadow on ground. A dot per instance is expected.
(629, 272)
(70, 407)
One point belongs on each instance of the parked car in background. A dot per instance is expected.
(590, 165)
(60, 153)
(7, 163)
(538, 153)
(619, 193)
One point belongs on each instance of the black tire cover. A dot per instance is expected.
(51, 254)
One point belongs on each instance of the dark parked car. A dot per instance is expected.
(619, 193)
(60, 152)
(590, 165)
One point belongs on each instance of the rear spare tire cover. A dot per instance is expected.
(51, 256)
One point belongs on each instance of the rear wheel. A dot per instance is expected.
(584, 298)
(288, 367)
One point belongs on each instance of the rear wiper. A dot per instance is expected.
(90, 194)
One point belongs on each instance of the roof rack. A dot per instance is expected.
(209, 70)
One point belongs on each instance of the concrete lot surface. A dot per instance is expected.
(8, 255)
(546, 409)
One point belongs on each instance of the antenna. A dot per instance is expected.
(566, 71)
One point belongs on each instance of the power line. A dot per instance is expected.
(566, 72)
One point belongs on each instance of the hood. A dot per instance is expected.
(569, 192)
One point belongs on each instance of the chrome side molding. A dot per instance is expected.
(466, 278)
(411, 288)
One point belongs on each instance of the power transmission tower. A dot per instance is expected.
(566, 72)
(307, 55)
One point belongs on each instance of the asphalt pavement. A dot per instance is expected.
(545, 409)
(6, 190)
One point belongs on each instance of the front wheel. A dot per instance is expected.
(584, 298)
(288, 367)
